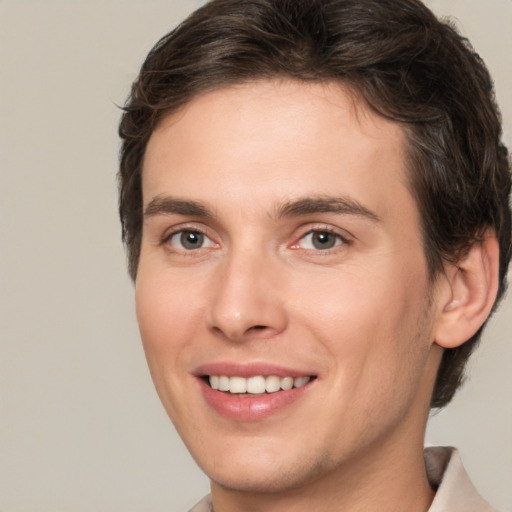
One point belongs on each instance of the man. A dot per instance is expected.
(315, 201)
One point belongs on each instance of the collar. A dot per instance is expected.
(455, 492)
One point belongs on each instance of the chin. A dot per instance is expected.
(267, 481)
(263, 475)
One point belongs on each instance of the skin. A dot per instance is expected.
(360, 316)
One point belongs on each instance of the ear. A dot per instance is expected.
(467, 293)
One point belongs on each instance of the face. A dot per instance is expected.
(282, 292)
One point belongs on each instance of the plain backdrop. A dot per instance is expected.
(81, 428)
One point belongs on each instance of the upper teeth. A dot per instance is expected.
(256, 385)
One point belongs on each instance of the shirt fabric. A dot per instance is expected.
(446, 474)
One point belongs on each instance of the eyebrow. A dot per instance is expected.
(325, 204)
(296, 208)
(171, 205)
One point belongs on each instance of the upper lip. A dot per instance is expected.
(234, 369)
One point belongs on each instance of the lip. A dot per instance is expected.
(248, 408)
(248, 370)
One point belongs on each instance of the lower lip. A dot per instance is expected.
(250, 408)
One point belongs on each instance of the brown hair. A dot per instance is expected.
(406, 64)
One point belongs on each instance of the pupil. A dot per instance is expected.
(323, 240)
(191, 239)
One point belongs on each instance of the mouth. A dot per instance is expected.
(251, 392)
(256, 385)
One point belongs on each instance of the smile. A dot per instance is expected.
(256, 385)
(253, 392)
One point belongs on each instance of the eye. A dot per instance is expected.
(189, 240)
(320, 240)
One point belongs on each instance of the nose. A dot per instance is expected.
(248, 300)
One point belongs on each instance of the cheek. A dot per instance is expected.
(358, 300)
(167, 322)
(167, 314)
(373, 324)
(165, 304)
(152, 306)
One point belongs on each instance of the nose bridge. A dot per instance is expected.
(247, 298)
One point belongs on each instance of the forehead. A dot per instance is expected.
(276, 139)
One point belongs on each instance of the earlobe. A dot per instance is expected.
(467, 294)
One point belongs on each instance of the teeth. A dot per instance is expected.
(287, 383)
(256, 385)
(214, 381)
(272, 384)
(223, 383)
(298, 382)
(237, 385)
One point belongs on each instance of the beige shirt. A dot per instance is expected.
(455, 492)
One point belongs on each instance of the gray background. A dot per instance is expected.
(81, 428)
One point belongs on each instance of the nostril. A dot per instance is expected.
(259, 327)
